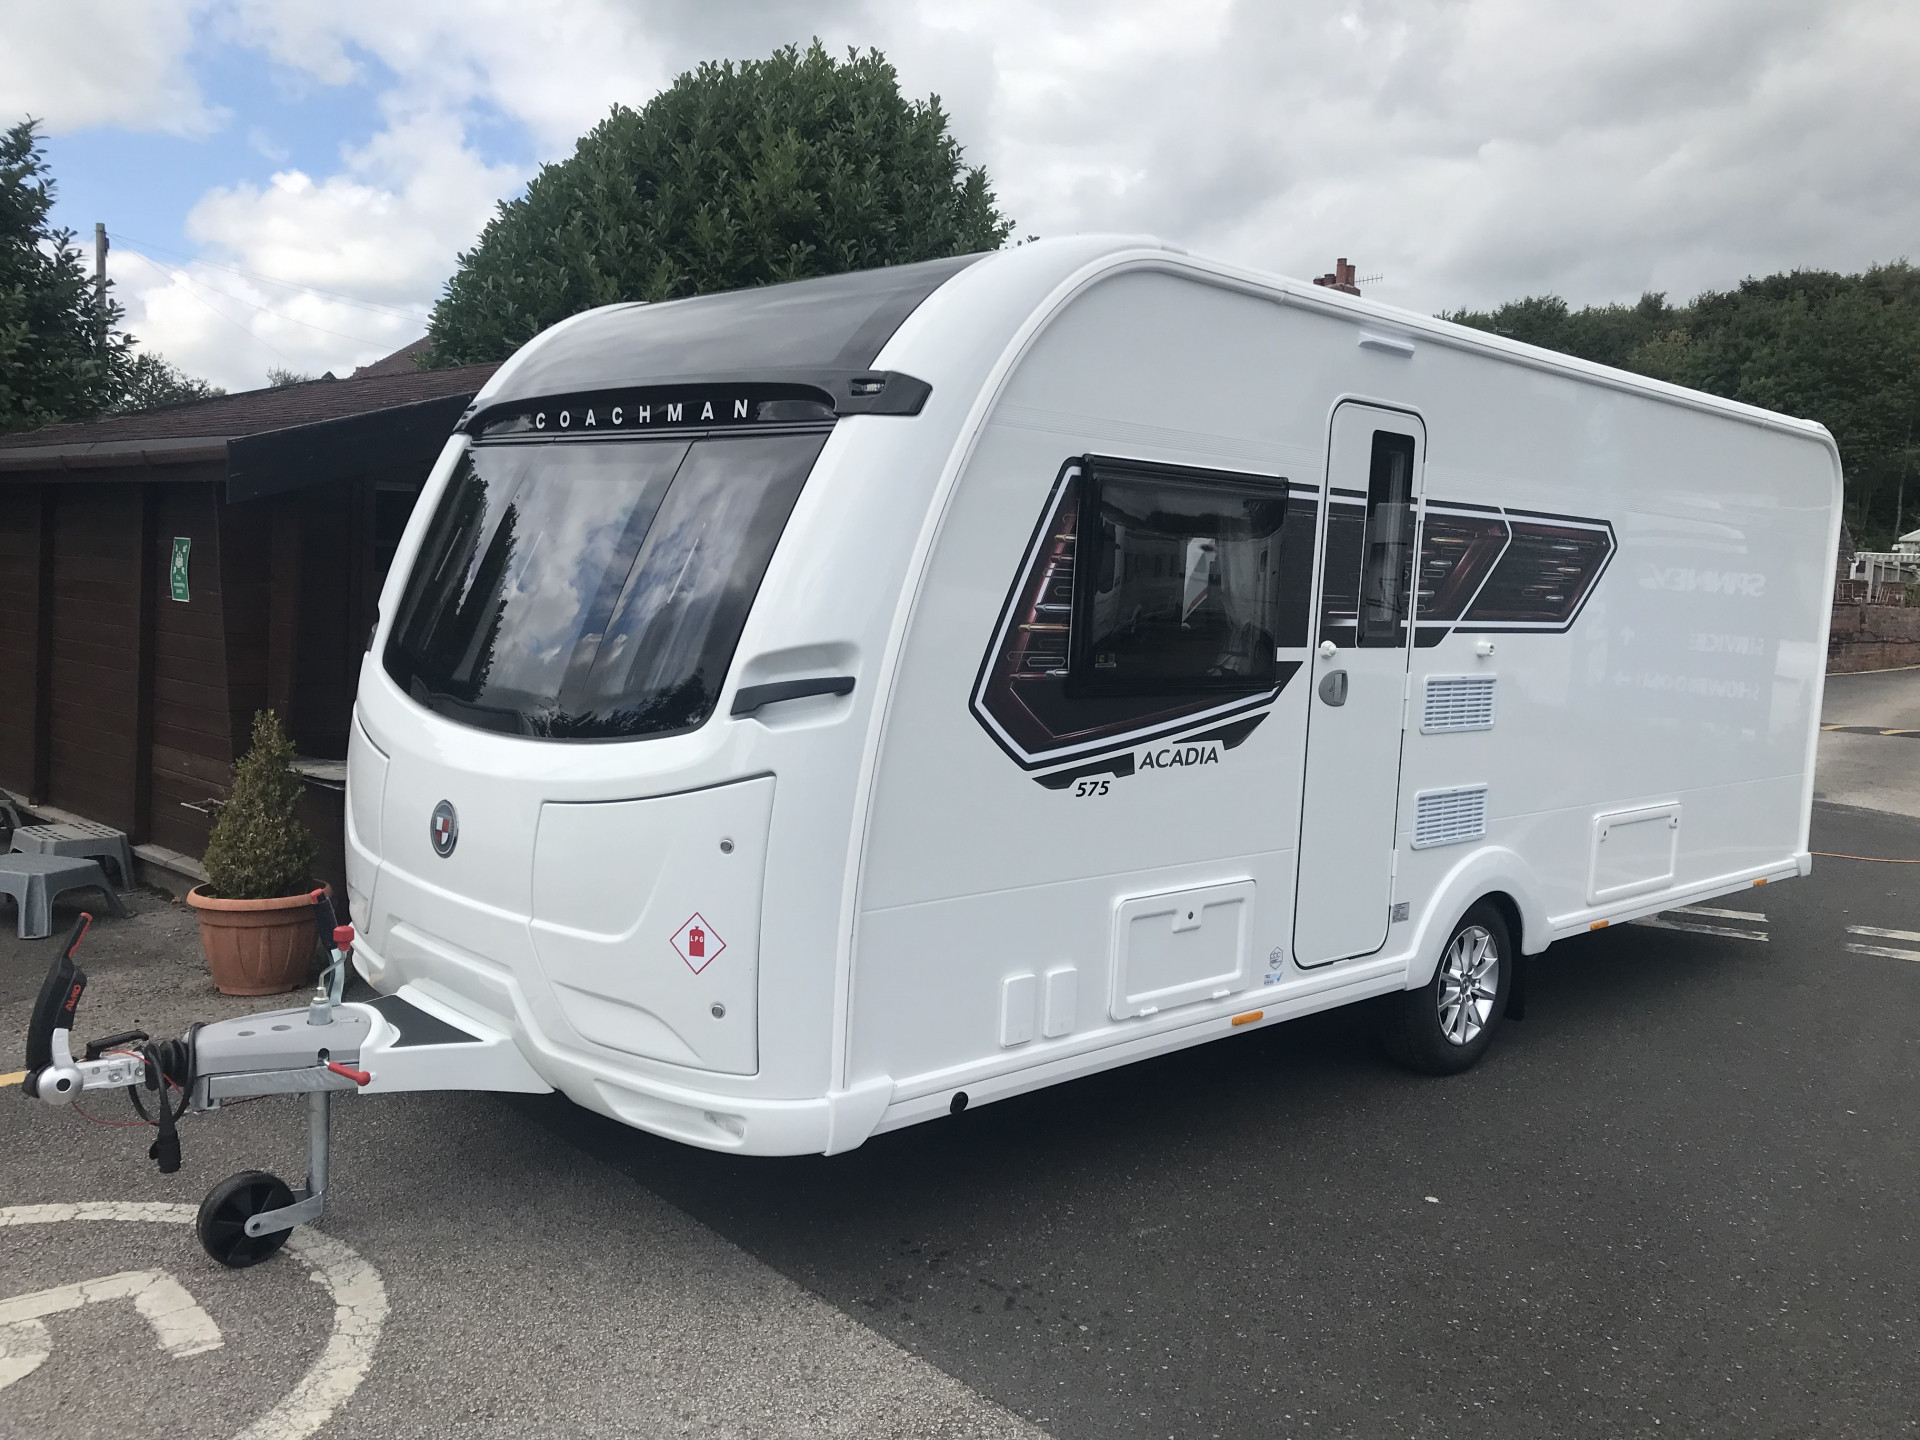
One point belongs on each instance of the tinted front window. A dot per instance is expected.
(593, 590)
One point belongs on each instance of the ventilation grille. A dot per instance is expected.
(1446, 817)
(1457, 702)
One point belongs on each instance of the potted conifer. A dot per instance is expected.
(256, 909)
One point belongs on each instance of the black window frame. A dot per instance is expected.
(1388, 445)
(1083, 682)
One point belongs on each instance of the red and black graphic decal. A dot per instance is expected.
(1152, 601)
(1488, 571)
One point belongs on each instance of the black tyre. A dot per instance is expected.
(222, 1224)
(1447, 1024)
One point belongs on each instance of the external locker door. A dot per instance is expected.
(1355, 712)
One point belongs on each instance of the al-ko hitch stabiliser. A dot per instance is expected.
(326, 1046)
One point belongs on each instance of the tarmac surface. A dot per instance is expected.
(1678, 1198)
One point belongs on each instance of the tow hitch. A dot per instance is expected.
(326, 1046)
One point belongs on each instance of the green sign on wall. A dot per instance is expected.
(177, 571)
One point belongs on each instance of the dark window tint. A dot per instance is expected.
(1340, 568)
(1179, 585)
(1386, 577)
(593, 591)
(1026, 695)
(1545, 573)
(836, 322)
(1456, 552)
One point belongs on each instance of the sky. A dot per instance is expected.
(289, 183)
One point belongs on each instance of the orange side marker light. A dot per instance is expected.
(1599, 925)
(1249, 1017)
(1760, 881)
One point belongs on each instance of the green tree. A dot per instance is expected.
(52, 364)
(1840, 349)
(149, 382)
(736, 175)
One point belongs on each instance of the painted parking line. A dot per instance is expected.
(1696, 927)
(359, 1309)
(180, 1326)
(1886, 952)
(1867, 730)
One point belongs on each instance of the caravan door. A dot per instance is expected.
(1355, 712)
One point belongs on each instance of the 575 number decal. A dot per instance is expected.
(1084, 788)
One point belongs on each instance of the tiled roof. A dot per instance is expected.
(401, 362)
(255, 412)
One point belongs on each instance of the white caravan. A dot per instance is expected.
(800, 712)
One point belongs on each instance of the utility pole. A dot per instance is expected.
(100, 284)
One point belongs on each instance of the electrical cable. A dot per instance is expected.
(1875, 859)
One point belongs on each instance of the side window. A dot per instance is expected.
(1149, 595)
(1386, 576)
(1181, 584)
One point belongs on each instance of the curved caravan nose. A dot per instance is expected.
(632, 924)
(646, 921)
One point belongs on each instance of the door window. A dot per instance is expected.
(1386, 575)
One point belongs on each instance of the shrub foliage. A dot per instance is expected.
(736, 175)
(259, 850)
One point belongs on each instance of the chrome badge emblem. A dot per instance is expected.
(445, 829)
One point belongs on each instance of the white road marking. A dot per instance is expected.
(180, 1326)
(1719, 914)
(1880, 934)
(359, 1310)
(24, 1345)
(1884, 951)
(1727, 931)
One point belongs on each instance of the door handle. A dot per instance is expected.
(750, 698)
(1333, 687)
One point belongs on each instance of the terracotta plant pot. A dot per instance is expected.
(256, 947)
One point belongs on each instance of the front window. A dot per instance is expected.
(593, 590)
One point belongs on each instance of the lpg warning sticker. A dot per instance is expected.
(697, 944)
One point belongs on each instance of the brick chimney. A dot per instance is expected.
(1340, 278)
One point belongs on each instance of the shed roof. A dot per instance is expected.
(270, 440)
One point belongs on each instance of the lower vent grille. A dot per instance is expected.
(1447, 817)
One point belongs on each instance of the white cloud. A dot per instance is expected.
(80, 63)
(380, 234)
(1471, 151)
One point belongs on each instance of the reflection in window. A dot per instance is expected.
(1185, 585)
(1544, 575)
(1386, 579)
(593, 590)
(1456, 552)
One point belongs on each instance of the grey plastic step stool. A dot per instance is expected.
(85, 838)
(34, 880)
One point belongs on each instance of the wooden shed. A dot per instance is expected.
(164, 575)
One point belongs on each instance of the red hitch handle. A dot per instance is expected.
(343, 937)
(359, 1077)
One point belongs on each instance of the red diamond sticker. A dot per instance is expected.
(696, 943)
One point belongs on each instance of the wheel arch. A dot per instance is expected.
(1492, 873)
